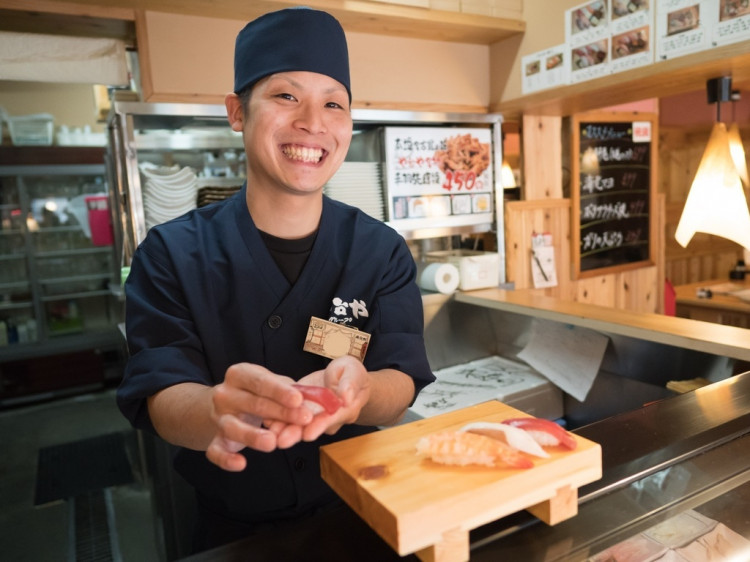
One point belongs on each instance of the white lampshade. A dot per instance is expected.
(716, 203)
(738, 153)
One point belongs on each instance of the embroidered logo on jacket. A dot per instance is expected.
(343, 312)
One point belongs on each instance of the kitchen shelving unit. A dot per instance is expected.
(58, 289)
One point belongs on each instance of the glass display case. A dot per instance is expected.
(194, 145)
(57, 260)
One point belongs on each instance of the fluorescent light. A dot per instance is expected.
(716, 203)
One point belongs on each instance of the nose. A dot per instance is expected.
(311, 119)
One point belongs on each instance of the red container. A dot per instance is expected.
(99, 220)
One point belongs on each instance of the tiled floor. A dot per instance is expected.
(46, 532)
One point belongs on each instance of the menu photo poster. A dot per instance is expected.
(587, 40)
(545, 69)
(631, 26)
(733, 22)
(438, 177)
(683, 27)
(614, 170)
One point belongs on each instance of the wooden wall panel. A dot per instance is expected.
(522, 220)
(599, 290)
(542, 158)
(638, 289)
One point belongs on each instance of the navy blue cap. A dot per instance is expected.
(289, 40)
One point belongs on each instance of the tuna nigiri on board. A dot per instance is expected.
(463, 448)
(514, 437)
(545, 432)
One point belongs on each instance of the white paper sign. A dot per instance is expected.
(586, 23)
(733, 22)
(569, 356)
(631, 26)
(543, 270)
(683, 27)
(545, 69)
(589, 61)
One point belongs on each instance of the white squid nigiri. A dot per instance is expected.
(513, 436)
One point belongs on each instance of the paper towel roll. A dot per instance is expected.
(440, 277)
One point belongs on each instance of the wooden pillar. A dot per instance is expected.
(542, 158)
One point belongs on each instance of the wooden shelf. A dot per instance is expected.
(358, 16)
(50, 155)
(661, 79)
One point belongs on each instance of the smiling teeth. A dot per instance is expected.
(303, 154)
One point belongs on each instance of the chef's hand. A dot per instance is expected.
(348, 378)
(249, 394)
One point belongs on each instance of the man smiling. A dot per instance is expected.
(221, 303)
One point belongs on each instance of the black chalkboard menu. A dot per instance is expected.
(613, 190)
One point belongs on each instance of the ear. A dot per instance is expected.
(235, 113)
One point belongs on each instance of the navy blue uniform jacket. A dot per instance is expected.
(204, 293)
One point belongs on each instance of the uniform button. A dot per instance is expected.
(274, 321)
(299, 463)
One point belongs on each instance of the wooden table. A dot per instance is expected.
(722, 307)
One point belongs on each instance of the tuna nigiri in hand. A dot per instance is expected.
(319, 398)
(545, 432)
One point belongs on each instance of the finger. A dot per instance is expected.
(318, 426)
(225, 456)
(255, 437)
(260, 394)
(274, 426)
(290, 435)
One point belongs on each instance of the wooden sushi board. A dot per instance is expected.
(419, 506)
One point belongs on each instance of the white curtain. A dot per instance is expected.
(56, 58)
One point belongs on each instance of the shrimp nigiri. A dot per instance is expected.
(462, 448)
(545, 432)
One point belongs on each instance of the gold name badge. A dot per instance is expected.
(335, 340)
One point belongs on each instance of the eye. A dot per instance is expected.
(334, 105)
(286, 96)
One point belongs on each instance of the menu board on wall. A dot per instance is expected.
(438, 177)
(613, 190)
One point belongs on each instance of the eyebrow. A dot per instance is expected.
(336, 88)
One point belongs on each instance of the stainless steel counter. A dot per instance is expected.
(681, 456)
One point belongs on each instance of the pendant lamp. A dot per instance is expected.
(716, 203)
(507, 178)
(735, 144)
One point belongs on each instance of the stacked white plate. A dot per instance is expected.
(358, 184)
(168, 192)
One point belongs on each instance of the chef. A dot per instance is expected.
(230, 305)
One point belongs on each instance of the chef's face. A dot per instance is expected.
(297, 127)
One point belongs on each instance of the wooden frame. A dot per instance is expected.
(624, 184)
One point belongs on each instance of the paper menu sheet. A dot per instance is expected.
(569, 356)
(477, 381)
